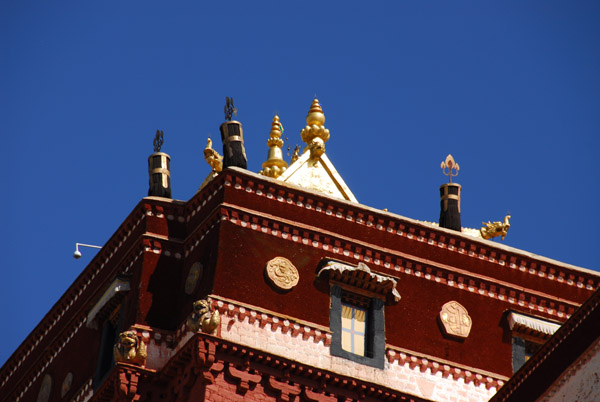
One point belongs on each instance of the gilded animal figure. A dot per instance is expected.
(317, 148)
(212, 157)
(129, 349)
(493, 229)
(203, 318)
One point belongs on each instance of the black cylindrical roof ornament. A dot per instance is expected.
(159, 169)
(450, 197)
(232, 137)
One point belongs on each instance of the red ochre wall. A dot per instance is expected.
(410, 324)
(384, 239)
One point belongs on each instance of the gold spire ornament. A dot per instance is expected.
(494, 229)
(315, 135)
(274, 166)
(450, 165)
(212, 157)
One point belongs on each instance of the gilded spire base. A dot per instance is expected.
(274, 166)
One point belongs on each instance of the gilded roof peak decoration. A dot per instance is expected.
(315, 135)
(313, 169)
(309, 168)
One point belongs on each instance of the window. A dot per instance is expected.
(354, 329)
(107, 316)
(110, 334)
(528, 335)
(523, 349)
(356, 315)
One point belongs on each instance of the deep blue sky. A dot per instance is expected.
(511, 89)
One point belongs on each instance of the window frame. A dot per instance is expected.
(361, 287)
(374, 330)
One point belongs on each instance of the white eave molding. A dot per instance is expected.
(516, 320)
(387, 283)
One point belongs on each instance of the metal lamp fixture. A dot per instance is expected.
(77, 253)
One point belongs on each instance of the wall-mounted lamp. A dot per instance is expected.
(77, 253)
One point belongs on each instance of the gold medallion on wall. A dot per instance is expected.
(66, 385)
(193, 277)
(455, 319)
(282, 273)
(45, 389)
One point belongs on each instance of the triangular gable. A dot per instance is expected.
(318, 175)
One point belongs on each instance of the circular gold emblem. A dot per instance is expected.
(45, 389)
(282, 273)
(193, 277)
(66, 385)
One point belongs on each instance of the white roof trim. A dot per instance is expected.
(535, 324)
(378, 278)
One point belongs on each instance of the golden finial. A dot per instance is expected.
(212, 157)
(315, 114)
(450, 165)
(315, 135)
(274, 166)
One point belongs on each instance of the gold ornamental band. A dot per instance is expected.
(160, 170)
(232, 138)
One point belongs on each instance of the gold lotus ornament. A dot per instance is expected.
(448, 166)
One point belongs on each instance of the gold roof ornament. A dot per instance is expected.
(494, 229)
(312, 169)
(315, 135)
(296, 154)
(212, 157)
(274, 166)
(450, 165)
